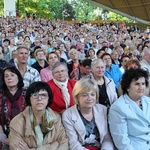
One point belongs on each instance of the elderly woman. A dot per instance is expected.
(12, 100)
(112, 71)
(61, 88)
(75, 62)
(86, 122)
(107, 90)
(37, 127)
(129, 116)
(46, 73)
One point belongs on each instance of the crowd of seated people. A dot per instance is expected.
(81, 74)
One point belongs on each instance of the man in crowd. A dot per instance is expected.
(40, 60)
(84, 71)
(28, 73)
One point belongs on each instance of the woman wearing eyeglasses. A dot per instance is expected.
(61, 88)
(86, 122)
(37, 127)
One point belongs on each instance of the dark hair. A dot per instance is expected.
(36, 87)
(130, 75)
(104, 47)
(124, 56)
(97, 53)
(86, 62)
(26, 37)
(87, 53)
(7, 40)
(36, 47)
(16, 71)
(105, 54)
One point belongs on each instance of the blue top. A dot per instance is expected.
(115, 74)
(129, 124)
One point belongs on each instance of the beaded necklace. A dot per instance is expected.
(140, 105)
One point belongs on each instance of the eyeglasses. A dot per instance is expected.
(61, 71)
(37, 95)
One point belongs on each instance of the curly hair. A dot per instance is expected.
(130, 75)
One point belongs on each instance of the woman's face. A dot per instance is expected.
(10, 79)
(39, 100)
(124, 61)
(100, 54)
(98, 69)
(60, 73)
(91, 52)
(115, 56)
(52, 59)
(74, 55)
(137, 88)
(87, 99)
(107, 60)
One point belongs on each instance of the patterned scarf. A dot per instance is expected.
(46, 126)
(13, 99)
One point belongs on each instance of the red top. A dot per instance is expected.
(58, 103)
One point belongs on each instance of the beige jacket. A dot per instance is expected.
(76, 131)
(20, 129)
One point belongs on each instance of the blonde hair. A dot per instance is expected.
(84, 85)
(73, 50)
(38, 50)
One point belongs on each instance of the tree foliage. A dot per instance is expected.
(62, 9)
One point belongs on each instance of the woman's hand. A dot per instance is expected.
(23, 145)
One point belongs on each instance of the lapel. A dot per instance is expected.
(99, 118)
(78, 123)
(134, 107)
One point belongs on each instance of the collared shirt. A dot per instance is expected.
(115, 74)
(31, 75)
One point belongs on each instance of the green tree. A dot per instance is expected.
(1, 7)
(68, 12)
(83, 10)
(62, 9)
(116, 17)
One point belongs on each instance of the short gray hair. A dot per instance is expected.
(59, 64)
(22, 47)
(95, 61)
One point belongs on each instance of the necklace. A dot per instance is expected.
(140, 105)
